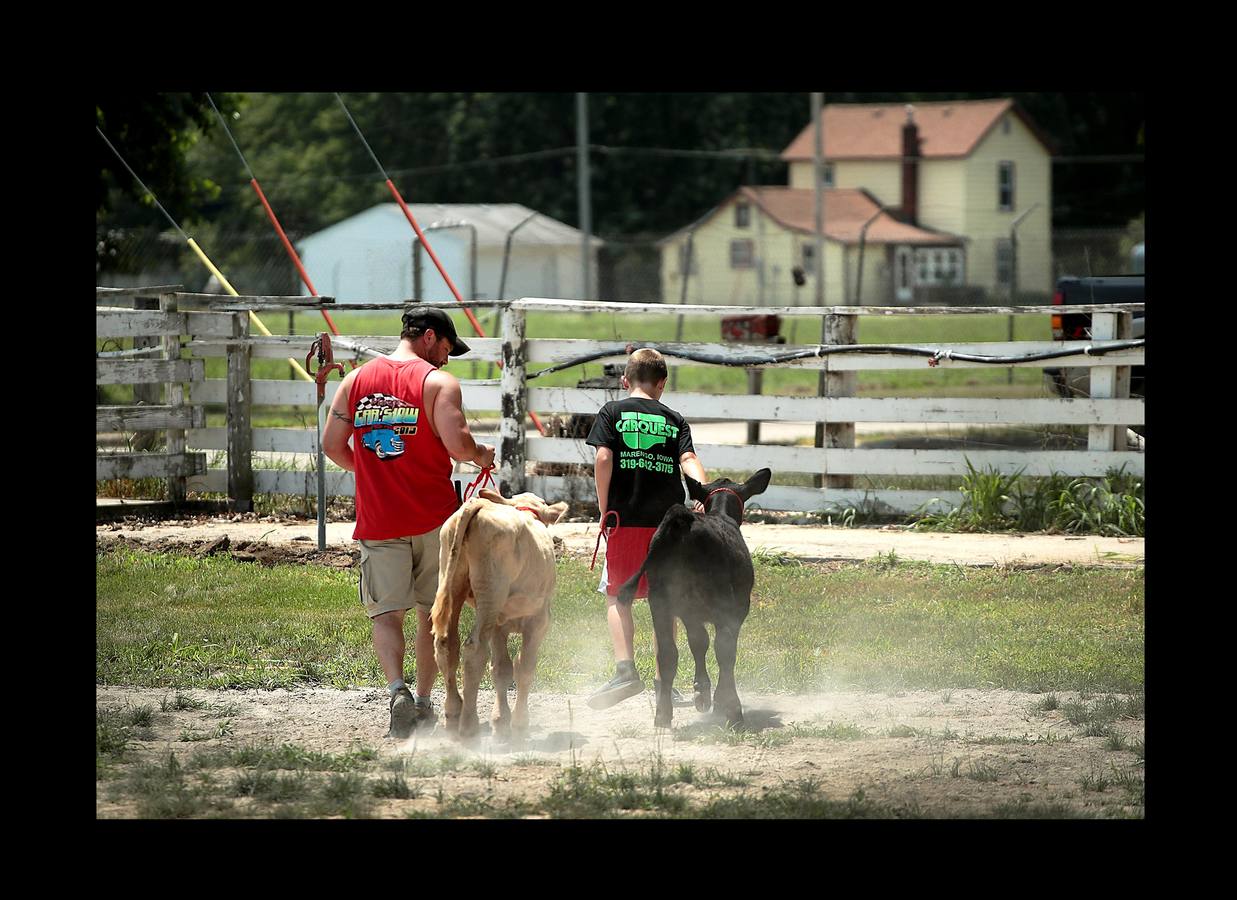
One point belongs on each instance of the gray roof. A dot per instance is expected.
(493, 222)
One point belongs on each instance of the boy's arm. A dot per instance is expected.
(603, 468)
(690, 464)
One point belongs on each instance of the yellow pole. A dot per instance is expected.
(252, 316)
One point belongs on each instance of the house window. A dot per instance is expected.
(741, 254)
(809, 259)
(957, 267)
(939, 266)
(1004, 263)
(742, 215)
(1005, 186)
(827, 175)
(1005, 127)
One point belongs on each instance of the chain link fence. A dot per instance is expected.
(645, 269)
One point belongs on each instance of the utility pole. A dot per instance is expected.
(818, 172)
(586, 206)
(1013, 279)
(818, 176)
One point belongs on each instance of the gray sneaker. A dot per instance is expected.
(403, 714)
(623, 685)
(676, 698)
(425, 716)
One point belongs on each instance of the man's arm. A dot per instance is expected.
(452, 427)
(603, 468)
(339, 427)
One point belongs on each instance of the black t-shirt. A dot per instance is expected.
(647, 438)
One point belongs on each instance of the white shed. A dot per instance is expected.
(375, 256)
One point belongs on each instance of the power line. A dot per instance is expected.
(139, 181)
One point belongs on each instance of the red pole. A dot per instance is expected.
(447, 278)
(430, 250)
(291, 252)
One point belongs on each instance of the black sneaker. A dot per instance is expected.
(623, 685)
(403, 714)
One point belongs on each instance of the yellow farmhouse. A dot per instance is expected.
(948, 202)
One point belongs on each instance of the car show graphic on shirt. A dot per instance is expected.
(641, 433)
(380, 419)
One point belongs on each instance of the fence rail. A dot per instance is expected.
(149, 319)
(213, 327)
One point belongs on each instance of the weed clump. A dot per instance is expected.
(991, 501)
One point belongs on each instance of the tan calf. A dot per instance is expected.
(497, 556)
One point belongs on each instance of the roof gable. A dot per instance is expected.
(845, 211)
(874, 130)
(492, 221)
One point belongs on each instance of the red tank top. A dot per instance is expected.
(403, 472)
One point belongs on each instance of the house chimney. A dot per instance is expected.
(910, 168)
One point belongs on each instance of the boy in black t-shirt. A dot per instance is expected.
(642, 446)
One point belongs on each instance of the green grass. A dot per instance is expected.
(1103, 711)
(181, 623)
(991, 501)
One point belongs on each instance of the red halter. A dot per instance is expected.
(531, 511)
(727, 491)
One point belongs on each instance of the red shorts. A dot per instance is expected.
(626, 549)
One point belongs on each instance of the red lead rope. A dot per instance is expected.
(484, 480)
(606, 534)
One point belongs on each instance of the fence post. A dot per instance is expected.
(755, 386)
(1108, 382)
(176, 400)
(240, 432)
(146, 394)
(511, 448)
(839, 329)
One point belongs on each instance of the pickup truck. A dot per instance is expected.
(1072, 291)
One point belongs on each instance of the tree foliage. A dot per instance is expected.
(153, 133)
(458, 148)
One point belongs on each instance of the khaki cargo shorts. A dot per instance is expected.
(399, 574)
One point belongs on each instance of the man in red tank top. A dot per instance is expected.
(405, 419)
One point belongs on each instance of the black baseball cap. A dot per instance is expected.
(435, 318)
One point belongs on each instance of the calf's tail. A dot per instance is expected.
(440, 615)
(662, 548)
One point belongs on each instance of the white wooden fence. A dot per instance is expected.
(151, 366)
(1107, 412)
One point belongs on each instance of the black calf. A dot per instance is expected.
(700, 571)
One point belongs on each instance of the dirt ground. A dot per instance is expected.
(272, 539)
(959, 753)
(938, 754)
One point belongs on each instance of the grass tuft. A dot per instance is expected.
(395, 787)
(1046, 704)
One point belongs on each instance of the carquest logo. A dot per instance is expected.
(641, 431)
(380, 420)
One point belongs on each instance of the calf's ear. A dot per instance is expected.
(493, 496)
(695, 489)
(551, 514)
(756, 484)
